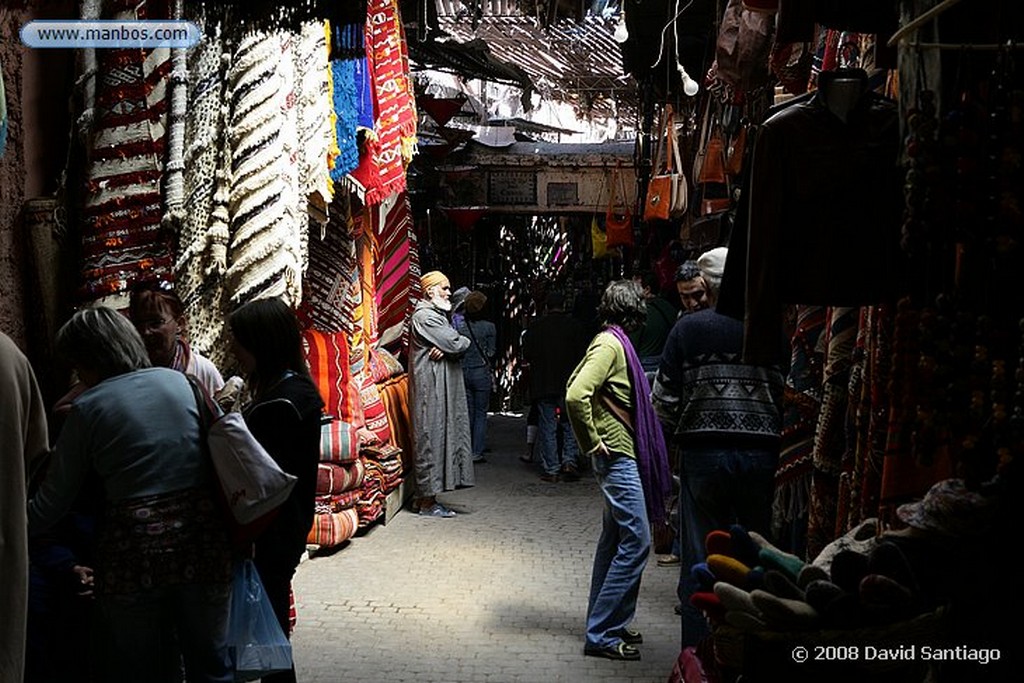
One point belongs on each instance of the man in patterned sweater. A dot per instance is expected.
(725, 416)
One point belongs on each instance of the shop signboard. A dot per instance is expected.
(512, 187)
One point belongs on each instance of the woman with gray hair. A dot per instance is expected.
(607, 400)
(163, 566)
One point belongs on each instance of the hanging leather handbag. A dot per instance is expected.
(667, 190)
(658, 202)
(702, 142)
(618, 223)
(713, 168)
(737, 147)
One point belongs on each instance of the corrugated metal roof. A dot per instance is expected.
(574, 61)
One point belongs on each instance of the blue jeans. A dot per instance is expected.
(622, 550)
(143, 631)
(719, 487)
(548, 424)
(478, 397)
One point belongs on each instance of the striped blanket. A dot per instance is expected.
(122, 238)
(397, 263)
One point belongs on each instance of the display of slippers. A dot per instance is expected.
(622, 651)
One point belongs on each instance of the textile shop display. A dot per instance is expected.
(348, 66)
(339, 442)
(203, 236)
(334, 528)
(374, 412)
(328, 277)
(329, 365)
(381, 365)
(122, 237)
(339, 486)
(396, 259)
(338, 492)
(255, 173)
(394, 393)
(388, 58)
(268, 217)
(384, 474)
(336, 478)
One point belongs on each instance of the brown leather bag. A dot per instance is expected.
(734, 160)
(667, 190)
(618, 221)
(713, 168)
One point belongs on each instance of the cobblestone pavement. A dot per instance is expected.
(497, 594)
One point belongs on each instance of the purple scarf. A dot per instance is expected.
(651, 454)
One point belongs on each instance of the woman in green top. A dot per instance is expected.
(599, 390)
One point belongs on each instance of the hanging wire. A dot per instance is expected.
(671, 22)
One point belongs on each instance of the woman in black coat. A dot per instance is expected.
(284, 416)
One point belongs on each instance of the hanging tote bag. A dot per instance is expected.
(737, 149)
(598, 239)
(257, 646)
(667, 191)
(618, 222)
(709, 166)
(680, 185)
(252, 483)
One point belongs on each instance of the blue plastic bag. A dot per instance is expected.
(256, 644)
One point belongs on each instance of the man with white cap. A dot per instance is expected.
(437, 399)
(725, 417)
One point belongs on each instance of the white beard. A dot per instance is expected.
(441, 302)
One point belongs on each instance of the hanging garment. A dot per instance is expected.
(834, 239)
(122, 236)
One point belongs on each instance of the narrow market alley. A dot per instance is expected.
(497, 594)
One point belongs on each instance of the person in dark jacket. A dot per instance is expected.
(553, 345)
(650, 339)
(725, 416)
(284, 416)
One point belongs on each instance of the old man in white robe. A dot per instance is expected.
(437, 398)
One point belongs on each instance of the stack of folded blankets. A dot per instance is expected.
(859, 580)
(339, 486)
(383, 464)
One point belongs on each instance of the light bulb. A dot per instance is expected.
(690, 86)
(621, 35)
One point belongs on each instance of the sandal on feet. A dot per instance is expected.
(630, 636)
(621, 651)
(669, 561)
